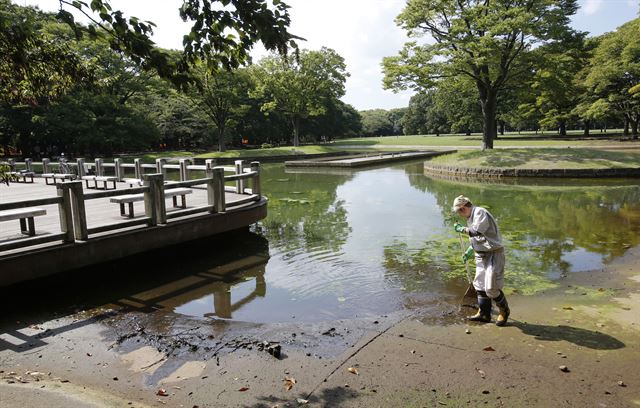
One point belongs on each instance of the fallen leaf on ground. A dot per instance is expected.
(567, 307)
(489, 348)
(243, 389)
(622, 384)
(288, 383)
(564, 368)
(162, 392)
(302, 401)
(353, 370)
(482, 373)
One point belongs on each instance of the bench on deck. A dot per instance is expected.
(132, 181)
(103, 179)
(25, 215)
(17, 175)
(57, 176)
(131, 198)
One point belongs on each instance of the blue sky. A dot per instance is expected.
(361, 31)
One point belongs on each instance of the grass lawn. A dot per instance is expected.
(574, 138)
(274, 151)
(547, 158)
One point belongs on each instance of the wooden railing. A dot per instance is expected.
(71, 199)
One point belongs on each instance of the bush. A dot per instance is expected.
(266, 146)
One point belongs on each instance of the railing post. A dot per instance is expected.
(211, 188)
(160, 167)
(27, 164)
(45, 165)
(239, 183)
(65, 209)
(118, 168)
(184, 175)
(255, 186)
(154, 205)
(81, 172)
(218, 189)
(99, 170)
(209, 164)
(78, 209)
(138, 168)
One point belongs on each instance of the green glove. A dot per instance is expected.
(458, 227)
(468, 254)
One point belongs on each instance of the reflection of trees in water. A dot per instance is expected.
(540, 224)
(604, 219)
(303, 211)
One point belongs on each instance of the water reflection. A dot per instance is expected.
(364, 241)
(354, 244)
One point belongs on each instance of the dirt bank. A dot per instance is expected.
(415, 358)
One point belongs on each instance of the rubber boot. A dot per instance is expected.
(484, 310)
(503, 306)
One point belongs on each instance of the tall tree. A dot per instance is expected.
(300, 88)
(222, 95)
(615, 73)
(485, 40)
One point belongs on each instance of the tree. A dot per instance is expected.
(615, 73)
(222, 34)
(376, 122)
(35, 67)
(484, 40)
(424, 116)
(300, 88)
(222, 95)
(554, 81)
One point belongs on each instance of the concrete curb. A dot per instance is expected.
(485, 172)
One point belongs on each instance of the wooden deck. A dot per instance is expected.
(368, 159)
(99, 211)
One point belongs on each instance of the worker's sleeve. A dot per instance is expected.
(480, 224)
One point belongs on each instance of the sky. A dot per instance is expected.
(361, 31)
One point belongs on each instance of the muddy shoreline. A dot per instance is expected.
(105, 357)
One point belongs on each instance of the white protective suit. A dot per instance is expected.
(486, 241)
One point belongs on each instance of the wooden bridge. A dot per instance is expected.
(82, 226)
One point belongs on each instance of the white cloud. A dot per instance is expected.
(591, 6)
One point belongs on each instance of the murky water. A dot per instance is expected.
(346, 244)
(341, 244)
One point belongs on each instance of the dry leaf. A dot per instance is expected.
(162, 392)
(302, 401)
(353, 370)
(567, 307)
(482, 373)
(488, 348)
(243, 389)
(288, 383)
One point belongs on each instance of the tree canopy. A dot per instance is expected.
(486, 41)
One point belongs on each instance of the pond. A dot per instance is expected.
(344, 244)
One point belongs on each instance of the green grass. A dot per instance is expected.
(574, 138)
(548, 158)
(274, 151)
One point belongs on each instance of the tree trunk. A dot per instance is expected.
(626, 126)
(634, 129)
(501, 128)
(563, 128)
(587, 125)
(489, 102)
(221, 146)
(296, 131)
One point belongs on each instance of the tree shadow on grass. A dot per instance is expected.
(581, 337)
(519, 157)
(328, 397)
